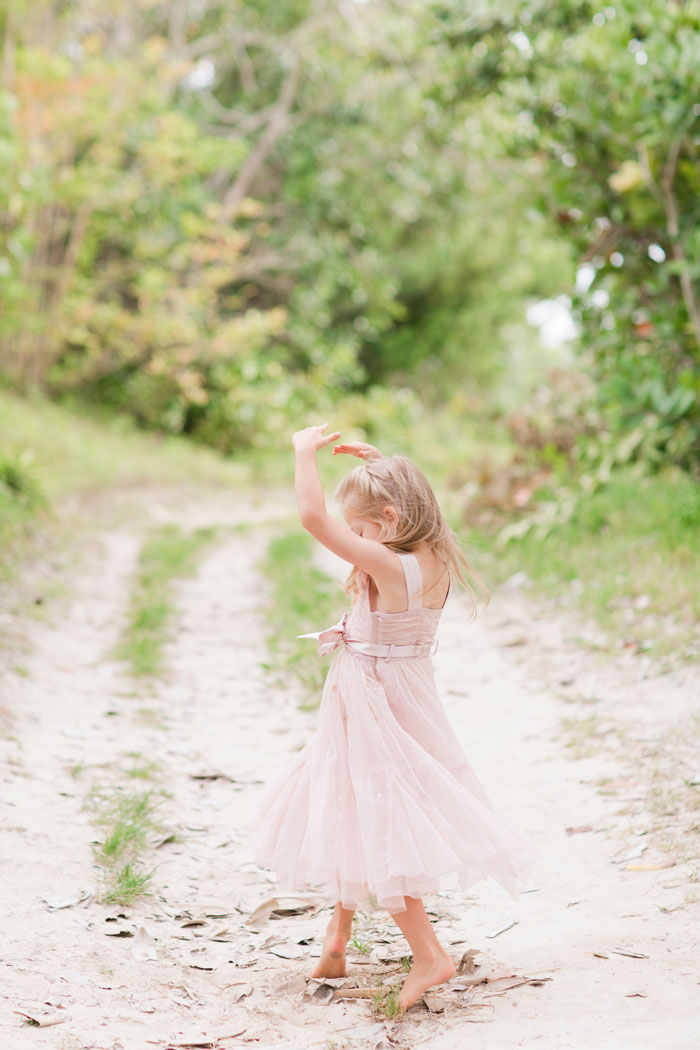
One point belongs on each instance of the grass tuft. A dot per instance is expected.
(386, 1001)
(127, 884)
(166, 555)
(358, 945)
(125, 820)
(629, 556)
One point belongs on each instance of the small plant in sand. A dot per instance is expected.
(406, 963)
(166, 555)
(358, 945)
(386, 1002)
(125, 820)
(126, 885)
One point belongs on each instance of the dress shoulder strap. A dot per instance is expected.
(414, 578)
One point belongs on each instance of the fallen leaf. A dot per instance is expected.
(335, 982)
(435, 1004)
(323, 994)
(281, 906)
(286, 951)
(58, 903)
(364, 1031)
(632, 854)
(504, 984)
(503, 929)
(356, 993)
(631, 955)
(164, 840)
(633, 995)
(194, 1044)
(472, 982)
(238, 991)
(650, 866)
(579, 830)
(467, 963)
(296, 905)
(601, 955)
(214, 774)
(40, 1020)
(223, 935)
(144, 946)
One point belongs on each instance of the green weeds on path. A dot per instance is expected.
(302, 599)
(629, 555)
(124, 819)
(51, 452)
(167, 554)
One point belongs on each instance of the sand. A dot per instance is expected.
(591, 751)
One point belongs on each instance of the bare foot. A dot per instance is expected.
(425, 973)
(332, 961)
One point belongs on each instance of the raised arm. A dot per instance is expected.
(369, 555)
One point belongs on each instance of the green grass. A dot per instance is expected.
(50, 451)
(629, 556)
(358, 945)
(126, 885)
(386, 1001)
(78, 448)
(167, 554)
(302, 599)
(124, 819)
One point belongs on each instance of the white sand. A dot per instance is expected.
(507, 680)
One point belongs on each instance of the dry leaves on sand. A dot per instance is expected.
(203, 1042)
(40, 1019)
(281, 907)
(58, 903)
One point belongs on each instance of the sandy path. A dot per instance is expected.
(508, 682)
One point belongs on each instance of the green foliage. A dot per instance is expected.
(167, 554)
(628, 553)
(605, 100)
(386, 1001)
(127, 884)
(218, 240)
(125, 820)
(22, 499)
(18, 484)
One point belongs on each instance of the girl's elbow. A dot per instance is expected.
(312, 521)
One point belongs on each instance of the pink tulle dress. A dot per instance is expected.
(382, 801)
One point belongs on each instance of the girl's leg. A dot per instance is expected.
(431, 963)
(332, 961)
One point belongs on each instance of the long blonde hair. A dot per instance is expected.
(397, 482)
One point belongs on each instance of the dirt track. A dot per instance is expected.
(562, 734)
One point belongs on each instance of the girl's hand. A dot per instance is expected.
(313, 438)
(358, 448)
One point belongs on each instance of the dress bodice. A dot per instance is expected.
(416, 625)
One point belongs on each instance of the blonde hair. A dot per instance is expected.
(397, 482)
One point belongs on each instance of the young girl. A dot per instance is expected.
(383, 801)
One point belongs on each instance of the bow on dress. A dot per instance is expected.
(331, 638)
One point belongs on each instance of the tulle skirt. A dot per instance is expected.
(382, 802)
